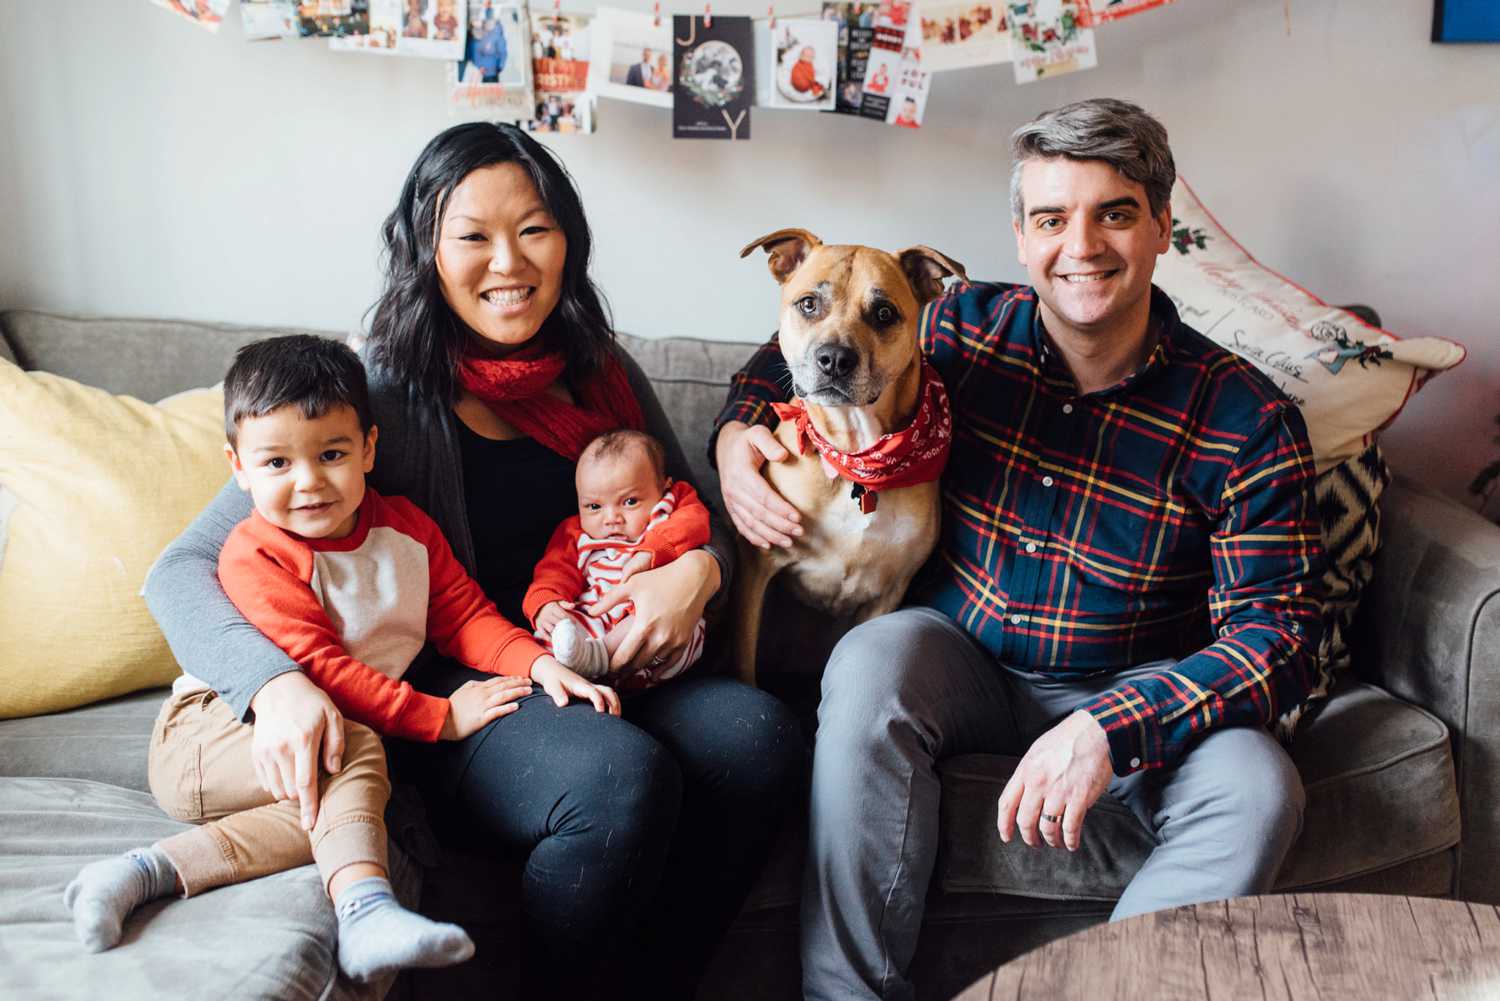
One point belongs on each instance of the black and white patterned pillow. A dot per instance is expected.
(1348, 498)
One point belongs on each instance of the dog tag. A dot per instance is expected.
(867, 498)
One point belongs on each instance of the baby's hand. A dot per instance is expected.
(551, 614)
(634, 565)
(476, 703)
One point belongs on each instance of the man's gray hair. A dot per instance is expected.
(1117, 132)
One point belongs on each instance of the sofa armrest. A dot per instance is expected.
(1429, 632)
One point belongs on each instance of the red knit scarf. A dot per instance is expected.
(903, 458)
(515, 389)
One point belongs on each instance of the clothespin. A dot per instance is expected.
(656, 14)
(771, 12)
(556, 6)
(708, 15)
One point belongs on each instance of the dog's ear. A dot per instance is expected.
(788, 249)
(926, 268)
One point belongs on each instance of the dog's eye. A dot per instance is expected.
(885, 315)
(808, 305)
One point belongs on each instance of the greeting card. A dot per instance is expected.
(631, 57)
(1048, 39)
(713, 77)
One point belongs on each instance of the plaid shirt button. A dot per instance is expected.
(1031, 547)
(1046, 481)
(1067, 408)
(1016, 620)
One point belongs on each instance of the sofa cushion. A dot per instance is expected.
(691, 379)
(1380, 791)
(105, 742)
(101, 484)
(1349, 379)
(271, 938)
(148, 359)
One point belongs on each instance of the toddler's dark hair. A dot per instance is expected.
(612, 444)
(313, 374)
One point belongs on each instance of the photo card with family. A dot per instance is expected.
(333, 18)
(957, 34)
(803, 64)
(431, 29)
(896, 83)
(560, 55)
(493, 80)
(631, 57)
(856, 23)
(713, 77)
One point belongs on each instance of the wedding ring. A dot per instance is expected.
(1052, 818)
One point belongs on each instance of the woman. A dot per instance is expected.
(491, 358)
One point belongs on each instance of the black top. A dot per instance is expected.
(517, 492)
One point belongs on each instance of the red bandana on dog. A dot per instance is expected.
(900, 459)
(515, 389)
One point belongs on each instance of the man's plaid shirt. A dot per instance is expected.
(1170, 516)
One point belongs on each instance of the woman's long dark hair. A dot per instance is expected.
(415, 338)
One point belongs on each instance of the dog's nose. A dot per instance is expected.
(836, 360)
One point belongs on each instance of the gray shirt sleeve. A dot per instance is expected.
(209, 637)
(721, 543)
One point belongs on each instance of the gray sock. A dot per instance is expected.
(576, 650)
(377, 935)
(102, 896)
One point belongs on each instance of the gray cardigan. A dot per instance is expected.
(418, 458)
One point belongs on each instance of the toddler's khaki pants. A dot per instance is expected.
(201, 771)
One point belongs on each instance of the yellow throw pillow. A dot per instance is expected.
(99, 485)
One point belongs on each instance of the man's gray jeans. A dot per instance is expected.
(911, 688)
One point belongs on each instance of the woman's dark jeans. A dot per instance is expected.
(644, 832)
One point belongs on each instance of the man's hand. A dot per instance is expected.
(294, 721)
(760, 514)
(1062, 775)
(550, 614)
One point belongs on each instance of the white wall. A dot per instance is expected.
(150, 168)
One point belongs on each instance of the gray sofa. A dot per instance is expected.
(1399, 768)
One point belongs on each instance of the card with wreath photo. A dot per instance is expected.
(713, 77)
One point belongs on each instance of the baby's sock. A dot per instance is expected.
(102, 896)
(377, 935)
(574, 648)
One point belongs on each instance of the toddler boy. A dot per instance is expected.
(351, 585)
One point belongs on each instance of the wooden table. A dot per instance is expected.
(1325, 946)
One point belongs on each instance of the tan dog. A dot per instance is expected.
(849, 335)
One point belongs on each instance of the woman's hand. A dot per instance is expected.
(563, 685)
(668, 601)
(296, 723)
(475, 704)
(762, 515)
(551, 614)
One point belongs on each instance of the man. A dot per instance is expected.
(639, 72)
(1125, 587)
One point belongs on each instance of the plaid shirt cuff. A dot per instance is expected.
(1129, 723)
